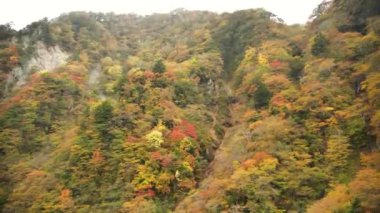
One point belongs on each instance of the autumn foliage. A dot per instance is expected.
(192, 111)
(184, 129)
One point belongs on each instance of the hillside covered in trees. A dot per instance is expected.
(192, 111)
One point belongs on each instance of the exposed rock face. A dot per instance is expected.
(94, 76)
(94, 81)
(45, 58)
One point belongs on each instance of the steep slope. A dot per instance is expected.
(231, 150)
(192, 112)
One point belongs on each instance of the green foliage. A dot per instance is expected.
(368, 45)
(374, 25)
(295, 49)
(159, 66)
(103, 113)
(28, 138)
(160, 82)
(296, 67)
(39, 31)
(103, 116)
(355, 13)
(153, 135)
(242, 29)
(262, 95)
(184, 93)
(355, 127)
(320, 10)
(207, 67)
(6, 31)
(320, 44)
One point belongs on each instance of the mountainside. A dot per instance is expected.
(192, 111)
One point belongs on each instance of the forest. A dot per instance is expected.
(192, 111)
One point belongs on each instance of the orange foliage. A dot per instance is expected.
(75, 72)
(370, 160)
(249, 114)
(72, 72)
(166, 161)
(279, 100)
(66, 199)
(149, 75)
(187, 184)
(366, 186)
(275, 64)
(149, 193)
(255, 124)
(13, 55)
(77, 78)
(191, 160)
(22, 95)
(177, 134)
(131, 139)
(189, 129)
(277, 82)
(12, 50)
(97, 157)
(65, 193)
(156, 155)
(183, 130)
(170, 74)
(255, 160)
(14, 60)
(36, 173)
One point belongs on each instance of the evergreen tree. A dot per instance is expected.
(103, 116)
(262, 95)
(320, 45)
(159, 66)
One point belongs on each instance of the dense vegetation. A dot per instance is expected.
(192, 112)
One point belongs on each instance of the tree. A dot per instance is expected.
(296, 67)
(336, 200)
(366, 186)
(320, 44)
(355, 13)
(262, 95)
(155, 138)
(184, 93)
(103, 113)
(159, 66)
(337, 153)
(103, 116)
(320, 10)
(6, 31)
(295, 49)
